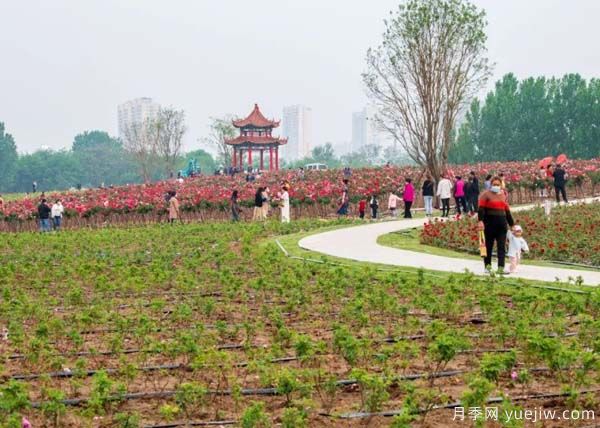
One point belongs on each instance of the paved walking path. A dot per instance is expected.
(360, 243)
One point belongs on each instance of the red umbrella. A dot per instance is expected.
(561, 158)
(545, 162)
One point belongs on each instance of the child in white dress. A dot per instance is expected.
(516, 246)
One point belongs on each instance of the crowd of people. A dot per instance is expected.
(488, 202)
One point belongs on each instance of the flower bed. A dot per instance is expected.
(569, 234)
(315, 193)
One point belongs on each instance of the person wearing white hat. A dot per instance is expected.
(516, 246)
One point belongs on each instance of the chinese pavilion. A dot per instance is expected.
(255, 135)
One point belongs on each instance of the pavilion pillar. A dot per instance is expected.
(250, 157)
(277, 158)
(241, 159)
(262, 163)
(234, 161)
(270, 158)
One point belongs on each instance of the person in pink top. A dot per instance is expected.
(408, 196)
(459, 195)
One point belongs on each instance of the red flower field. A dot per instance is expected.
(569, 234)
(316, 187)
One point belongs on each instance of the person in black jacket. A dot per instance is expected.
(374, 204)
(560, 179)
(44, 215)
(472, 193)
(427, 191)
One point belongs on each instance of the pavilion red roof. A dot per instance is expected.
(262, 140)
(256, 119)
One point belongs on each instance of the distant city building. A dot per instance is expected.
(297, 128)
(364, 129)
(137, 110)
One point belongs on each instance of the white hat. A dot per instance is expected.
(517, 228)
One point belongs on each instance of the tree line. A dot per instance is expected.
(94, 159)
(531, 119)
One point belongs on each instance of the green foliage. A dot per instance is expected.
(255, 417)
(477, 394)
(13, 397)
(8, 159)
(185, 296)
(127, 420)
(492, 365)
(169, 411)
(294, 418)
(532, 119)
(347, 344)
(104, 393)
(373, 389)
(53, 408)
(95, 158)
(191, 398)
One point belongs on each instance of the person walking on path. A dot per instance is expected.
(345, 199)
(57, 214)
(516, 246)
(408, 196)
(374, 204)
(393, 204)
(44, 212)
(459, 195)
(560, 179)
(173, 207)
(235, 206)
(494, 219)
(444, 192)
(473, 195)
(285, 204)
(427, 191)
(34, 186)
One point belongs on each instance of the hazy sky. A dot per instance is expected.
(66, 64)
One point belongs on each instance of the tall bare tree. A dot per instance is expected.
(167, 131)
(220, 130)
(139, 140)
(432, 61)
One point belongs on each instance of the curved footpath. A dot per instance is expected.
(360, 243)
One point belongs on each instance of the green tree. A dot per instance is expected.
(102, 159)
(465, 148)
(53, 170)
(323, 154)
(206, 162)
(8, 159)
(532, 119)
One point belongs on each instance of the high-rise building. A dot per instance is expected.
(137, 110)
(297, 128)
(364, 129)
